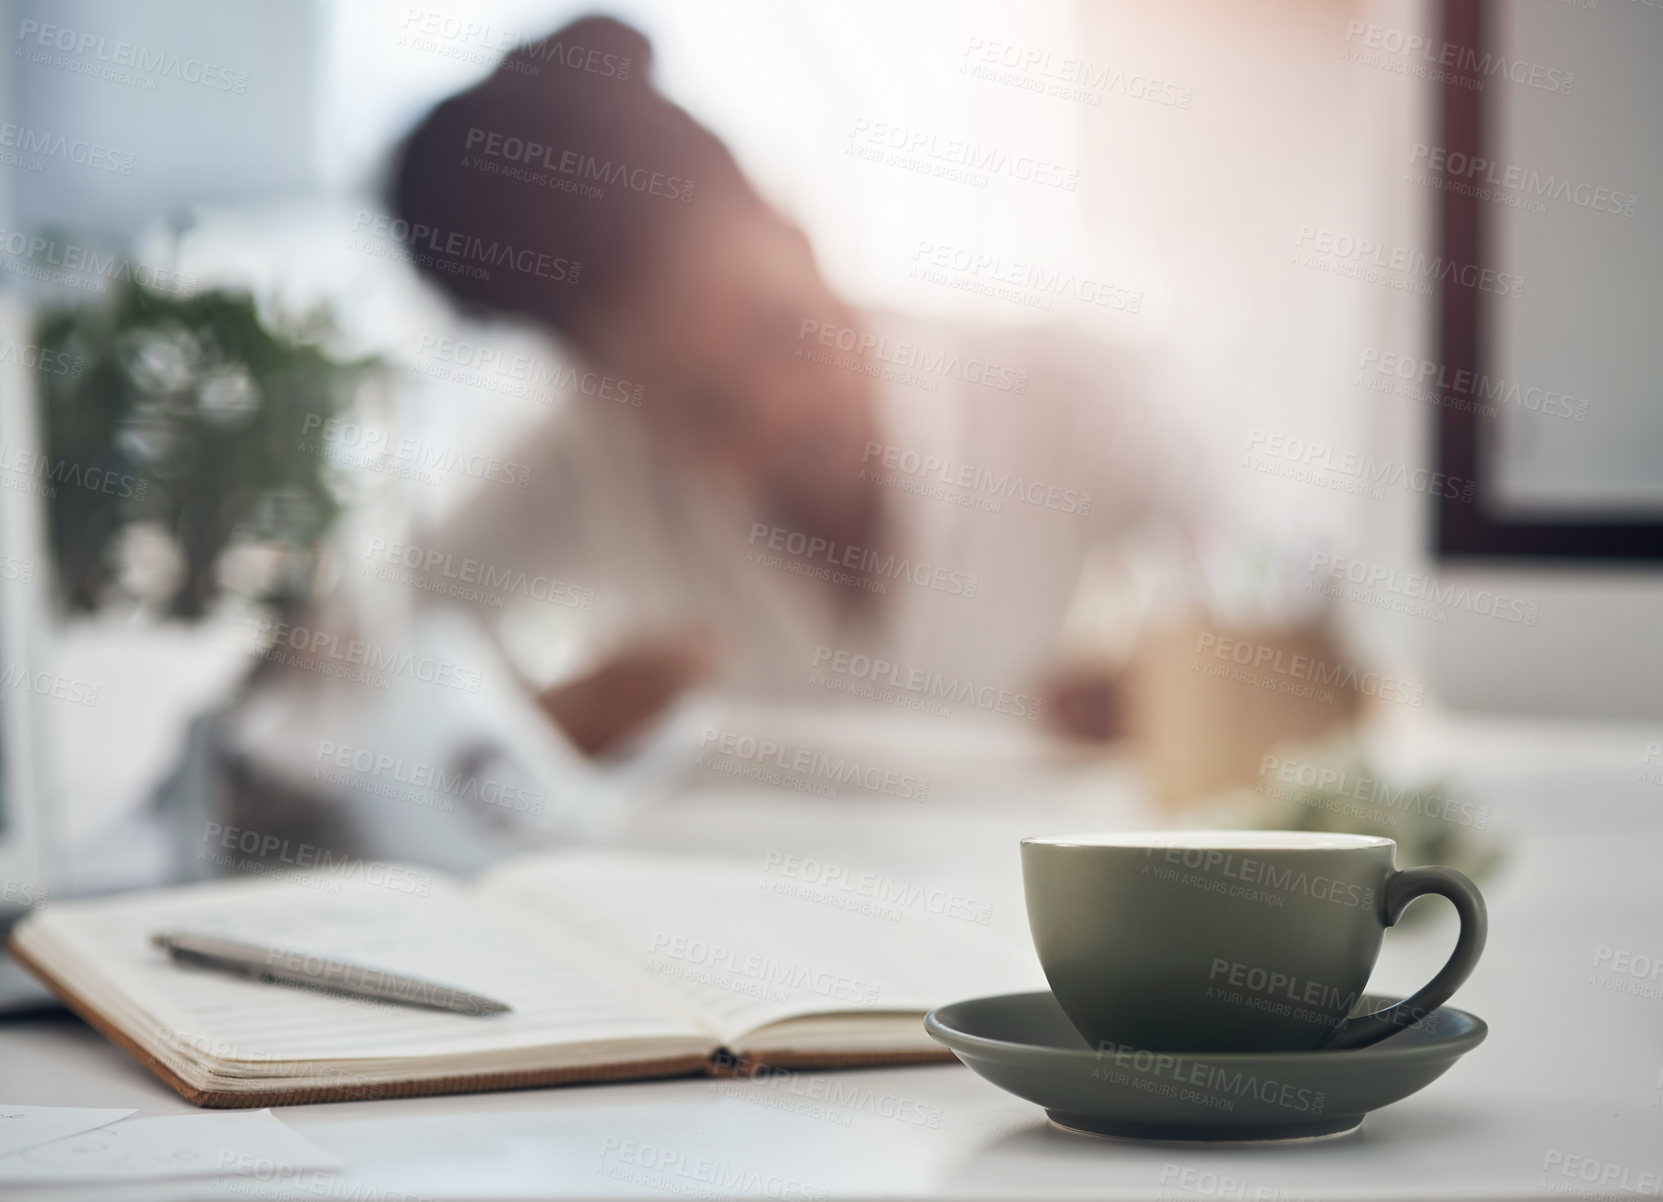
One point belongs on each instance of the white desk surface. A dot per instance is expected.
(1565, 1098)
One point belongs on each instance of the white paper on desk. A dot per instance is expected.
(25, 1126)
(252, 1144)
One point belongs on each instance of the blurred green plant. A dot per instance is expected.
(1335, 785)
(180, 417)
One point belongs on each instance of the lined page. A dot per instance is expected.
(713, 940)
(439, 937)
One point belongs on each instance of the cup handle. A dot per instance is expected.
(1402, 888)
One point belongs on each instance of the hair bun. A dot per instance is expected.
(568, 150)
(596, 45)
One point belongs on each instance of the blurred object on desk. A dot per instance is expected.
(1202, 656)
(1201, 718)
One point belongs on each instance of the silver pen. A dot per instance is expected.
(291, 966)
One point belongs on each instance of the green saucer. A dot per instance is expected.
(1024, 1043)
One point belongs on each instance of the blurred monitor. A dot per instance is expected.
(1549, 402)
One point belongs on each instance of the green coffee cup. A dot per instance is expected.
(1223, 941)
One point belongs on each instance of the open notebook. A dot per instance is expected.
(615, 965)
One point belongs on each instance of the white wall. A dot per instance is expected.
(185, 142)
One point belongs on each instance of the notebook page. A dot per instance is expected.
(712, 940)
(440, 937)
